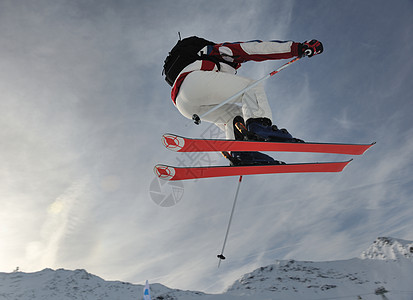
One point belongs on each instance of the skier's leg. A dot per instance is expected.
(258, 118)
(255, 104)
(203, 90)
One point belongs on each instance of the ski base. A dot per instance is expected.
(183, 173)
(182, 144)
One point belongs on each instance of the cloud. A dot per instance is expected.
(64, 216)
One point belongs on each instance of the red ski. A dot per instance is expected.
(182, 144)
(183, 173)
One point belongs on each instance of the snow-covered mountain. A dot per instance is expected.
(383, 271)
(387, 265)
(63, 284)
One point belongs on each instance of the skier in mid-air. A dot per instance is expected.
(203, 74)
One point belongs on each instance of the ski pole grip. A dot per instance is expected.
(196, 118)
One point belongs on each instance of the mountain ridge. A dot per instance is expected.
(384, 268)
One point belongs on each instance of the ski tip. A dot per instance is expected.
(173, 142)
(342, 165)
(368, 147)
(346, 163)
(164, 172)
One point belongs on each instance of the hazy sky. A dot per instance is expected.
(83, 106)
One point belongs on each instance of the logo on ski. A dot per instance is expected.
(164, 172)
(173, 142)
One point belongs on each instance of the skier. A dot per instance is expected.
(203, 74)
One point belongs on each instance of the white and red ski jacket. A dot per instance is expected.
(236, 54)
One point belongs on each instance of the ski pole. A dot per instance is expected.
(221, 256)
(197, 119)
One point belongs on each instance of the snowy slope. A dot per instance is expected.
(387, 265)
(389, 249)
(79, 284)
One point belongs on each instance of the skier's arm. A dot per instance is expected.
(259, 51)
(255, 50)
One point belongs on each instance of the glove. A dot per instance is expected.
(310, 48)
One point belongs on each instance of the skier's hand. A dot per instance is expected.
(310, 48)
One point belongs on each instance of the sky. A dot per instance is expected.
(84, 105)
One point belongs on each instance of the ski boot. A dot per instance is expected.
(247, 158)
(253, 159)
(261, 129)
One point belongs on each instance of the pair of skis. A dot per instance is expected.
(182, 144)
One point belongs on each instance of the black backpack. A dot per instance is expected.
(184, 53)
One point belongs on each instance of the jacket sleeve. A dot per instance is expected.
(241, 52)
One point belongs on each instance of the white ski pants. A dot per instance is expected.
(202, 90)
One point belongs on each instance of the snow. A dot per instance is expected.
(389, 248)
(313, 280)
(385, 267)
